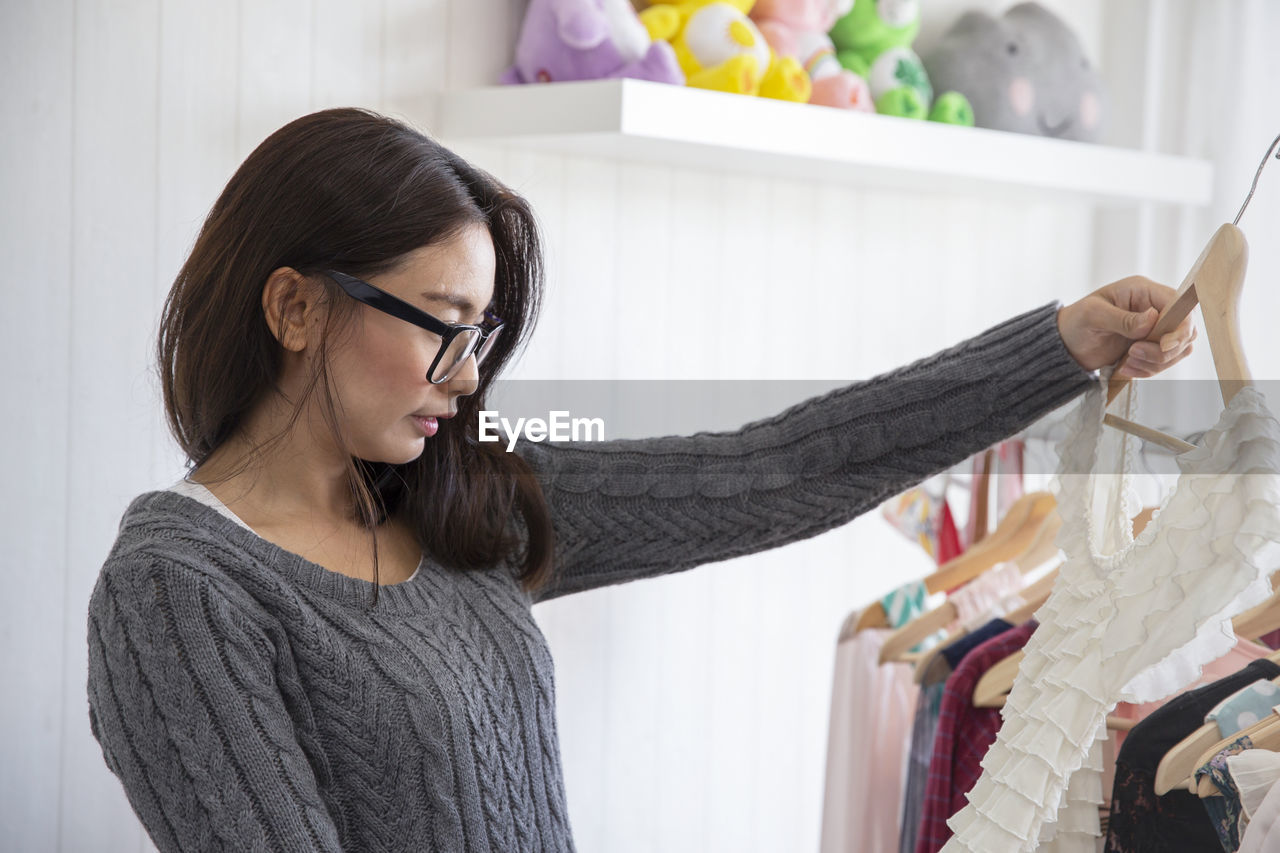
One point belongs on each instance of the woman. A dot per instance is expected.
(321, 638)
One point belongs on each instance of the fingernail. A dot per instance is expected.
(1167, 343)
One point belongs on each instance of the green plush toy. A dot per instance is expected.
(874, 41)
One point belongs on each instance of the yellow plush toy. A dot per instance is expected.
(720, 48)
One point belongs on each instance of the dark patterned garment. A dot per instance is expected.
(1140, 821)
(1225, 811)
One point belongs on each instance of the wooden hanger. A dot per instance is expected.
(1215, 281)
(1008, 540)
(1040, 550)
(871, 616)
(853, 623)
(1259, 620)
(1015, 533)
(1264, 734)
(997, 681)
(981, 502)
(1178, 765)
(1035, 595)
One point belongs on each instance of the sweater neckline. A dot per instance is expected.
(410, 595)
(201, 493)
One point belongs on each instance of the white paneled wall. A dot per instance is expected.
(693, 708)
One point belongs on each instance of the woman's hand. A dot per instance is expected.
(1103, 326)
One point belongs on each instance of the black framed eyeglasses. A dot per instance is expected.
(458, 341)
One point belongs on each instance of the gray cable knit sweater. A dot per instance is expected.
(248, 700)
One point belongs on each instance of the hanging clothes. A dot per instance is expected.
(1242, 774)
(1244, 708)
(949, 544)
(869, 735)
(993, 593)
(923, 515)
(1002, 464)
(1128, 619)
(925, 725)
(1142, 822)
(964, 734)
(1224, 812)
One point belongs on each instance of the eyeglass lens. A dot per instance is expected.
(459, 350)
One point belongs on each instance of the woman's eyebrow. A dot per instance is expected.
(458, 302)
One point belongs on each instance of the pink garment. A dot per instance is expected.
(991, 594)
(1233, 661)
(872, 711)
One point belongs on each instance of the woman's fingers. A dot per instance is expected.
(1145, 359)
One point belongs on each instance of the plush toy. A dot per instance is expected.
(799, 28)
(874, 41)
(1025, 72)
(588, 40)
(718, 47)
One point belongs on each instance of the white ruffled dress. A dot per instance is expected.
(1129, 620)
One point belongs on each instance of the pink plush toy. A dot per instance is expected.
(588, 40)
(799, 28)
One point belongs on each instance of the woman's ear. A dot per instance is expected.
(291, 303)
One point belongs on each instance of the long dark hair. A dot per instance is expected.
(354, 190)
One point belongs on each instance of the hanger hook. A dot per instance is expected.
(1257, 175)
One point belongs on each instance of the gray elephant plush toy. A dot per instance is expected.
(1024, 72)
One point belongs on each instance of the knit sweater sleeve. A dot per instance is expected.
(184, 701)
(635, 508)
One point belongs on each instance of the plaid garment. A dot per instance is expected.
(964, 735)
(926, 725)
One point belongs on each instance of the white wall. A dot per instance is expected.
(693, 709)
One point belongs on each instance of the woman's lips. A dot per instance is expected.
(428, 425)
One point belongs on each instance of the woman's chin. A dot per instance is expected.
(397, 453)
(409, 454)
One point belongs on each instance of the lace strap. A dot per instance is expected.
(1076, 456)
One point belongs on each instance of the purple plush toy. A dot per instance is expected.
(589, 40)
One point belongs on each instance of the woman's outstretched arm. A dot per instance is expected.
(629, 509)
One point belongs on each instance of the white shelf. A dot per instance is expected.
(636, 120)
